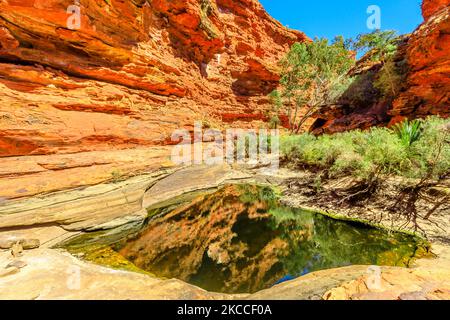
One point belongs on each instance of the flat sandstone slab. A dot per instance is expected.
(55, 274)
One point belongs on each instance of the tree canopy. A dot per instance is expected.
(310, 74)
(382, 44)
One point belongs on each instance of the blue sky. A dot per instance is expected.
(327, 18)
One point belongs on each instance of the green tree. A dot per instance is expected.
(310, 72)
(382, 46)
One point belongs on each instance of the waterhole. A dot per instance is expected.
(240, 239)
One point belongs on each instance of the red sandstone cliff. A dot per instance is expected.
(430, 7)
(426, 89)
(428, 56)
(135, 70)
(78, 107)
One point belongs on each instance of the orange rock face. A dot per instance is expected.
(428, 55)
(430, 7)
(133, 72)
(427, 80)
(127, 76)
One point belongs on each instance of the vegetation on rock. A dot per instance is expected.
(311, 75)
(381, 46)
(417, 155)
(381, 43)
(377, 151)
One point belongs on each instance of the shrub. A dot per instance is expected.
(431, 153)
(291, 146)
(391, 78)
(327, 150)
(377, 151)
(386, 152)
(382, 46)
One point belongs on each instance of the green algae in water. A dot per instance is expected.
(241, 239)
(100, 247)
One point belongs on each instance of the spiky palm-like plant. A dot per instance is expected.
(409, 131)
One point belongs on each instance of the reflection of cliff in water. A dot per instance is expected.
(240, 239)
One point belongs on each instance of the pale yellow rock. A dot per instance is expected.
(16, 250)
(428, 279)
(79, 209)
(6, 243)
(8, 271)
(336, 294)
(52, 274)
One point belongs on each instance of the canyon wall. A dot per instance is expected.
(424, 55)
(428, 56)
(76, 98)
(430, 7)
(86, 104)
(134, 71)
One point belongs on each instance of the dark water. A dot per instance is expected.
(241, 239)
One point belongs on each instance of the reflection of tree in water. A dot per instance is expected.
(241, 239)
(317, 242)
(251, 194)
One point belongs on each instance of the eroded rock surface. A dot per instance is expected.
(81, 105)
(50, 274)
(133, 72)
(423, 63)
(428, 81)
(117, 202)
